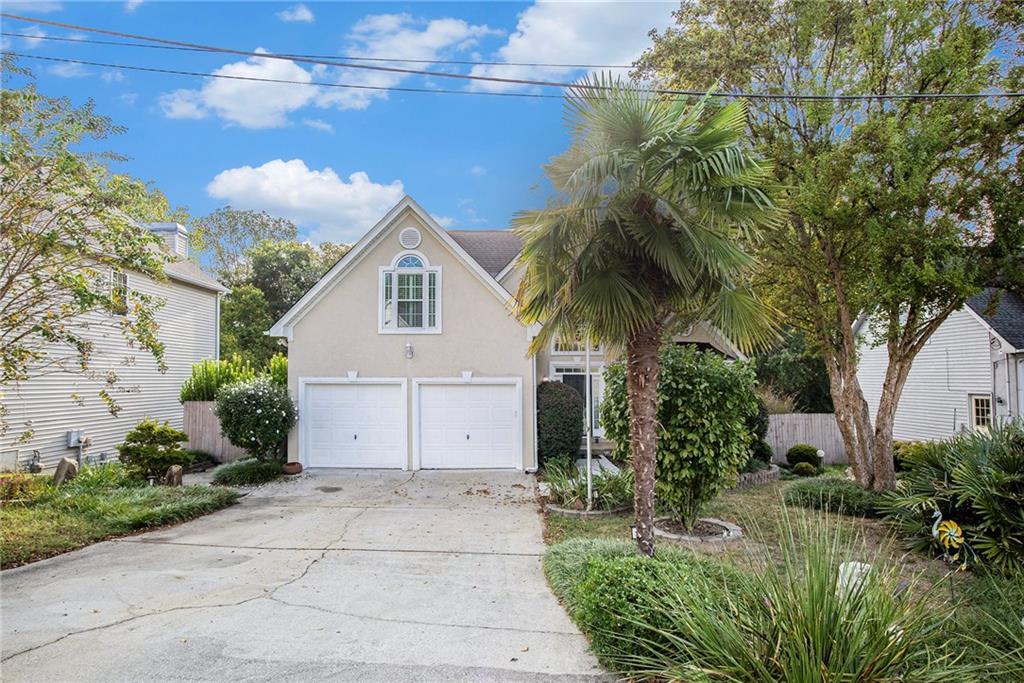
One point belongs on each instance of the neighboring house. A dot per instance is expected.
(407, 355)
(968, 375)
(52, 405)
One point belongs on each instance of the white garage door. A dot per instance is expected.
(355, 425)
(469, 426)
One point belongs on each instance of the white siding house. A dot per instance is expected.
(969, 374)
(51, 405)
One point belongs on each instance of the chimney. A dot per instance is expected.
(175, 237)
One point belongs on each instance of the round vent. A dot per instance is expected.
(409, 238)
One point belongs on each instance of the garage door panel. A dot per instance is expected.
(469, 425)
(356, 425)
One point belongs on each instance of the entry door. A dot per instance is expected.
(469, 426)
(577, 380)
(355, 425)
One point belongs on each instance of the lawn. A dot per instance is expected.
(42, 521)
(975, 604)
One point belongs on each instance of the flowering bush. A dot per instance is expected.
(256, 415)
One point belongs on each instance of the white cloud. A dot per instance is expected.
(128, 98)
(444, 221)
(182, 104)
(250, 104)
(575, 33)
(402, 36)
(69, 70)
(477, 170)
(297, 13)
(34, 36)
(339, 210)
(131, 5)
(317, 124)
(112, 76)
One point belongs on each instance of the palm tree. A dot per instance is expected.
(656, 198)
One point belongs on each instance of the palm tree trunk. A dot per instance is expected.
(643, 368)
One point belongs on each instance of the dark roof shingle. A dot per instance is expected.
(492, 249)
(1003, 311)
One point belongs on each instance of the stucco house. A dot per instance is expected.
(407, 355)
(970, 374)
(63, 412)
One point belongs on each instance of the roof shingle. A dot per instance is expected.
(492, 249)
(1003, 311)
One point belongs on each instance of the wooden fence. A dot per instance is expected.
(817, 429)
(203, 429)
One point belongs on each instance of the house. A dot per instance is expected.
(968, 375)
(407, 355)
(62, 413)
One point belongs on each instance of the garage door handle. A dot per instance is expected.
(355, 436)
(467, 437)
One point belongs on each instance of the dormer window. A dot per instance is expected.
(410, 296)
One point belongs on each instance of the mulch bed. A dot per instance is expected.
(701, 528)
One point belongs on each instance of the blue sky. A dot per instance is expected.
(331, 159)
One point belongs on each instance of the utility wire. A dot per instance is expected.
(510, 81)
(323, 84)
(354, 58)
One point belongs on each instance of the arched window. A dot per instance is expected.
(410, 295)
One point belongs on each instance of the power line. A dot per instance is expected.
(322, 84)
(508, 81)
(354, 58)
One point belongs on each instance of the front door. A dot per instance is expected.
(577, 380)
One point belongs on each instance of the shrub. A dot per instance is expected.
(901, 450)
(805, 469)
(703, 407)
(22, 486)
(565, 564)
(788, 621)
(757, 423)
(210, 375)
(560, 410)
(803, 452)
(107, 476)
(569, 487)
(835, 495)
(277, 369)
(975, 479)
(762, 450)
(151, 447)
(247, 472)
(256, 415)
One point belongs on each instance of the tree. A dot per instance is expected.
(795, 370)
(655, 199)
(899, 209)
(227, 233)
(244, 319)
(285, 270)
(66, 225)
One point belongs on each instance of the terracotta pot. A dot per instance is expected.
(291, 467)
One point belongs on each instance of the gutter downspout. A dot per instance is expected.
(216, 328)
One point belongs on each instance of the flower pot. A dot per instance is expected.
(291, 468)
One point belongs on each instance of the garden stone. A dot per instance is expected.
(173, 476)
(66, 471)
(851, 574)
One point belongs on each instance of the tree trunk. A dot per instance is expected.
(892, 388)
(642, 371)
(852, 415)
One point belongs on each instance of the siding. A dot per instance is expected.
(954, 363)
(187, 322)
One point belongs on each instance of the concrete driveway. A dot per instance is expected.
(347, 575)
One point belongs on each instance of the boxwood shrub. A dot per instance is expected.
(704, 404)
(151, 448)
(835, 495)
(803, 452)
(560, 410)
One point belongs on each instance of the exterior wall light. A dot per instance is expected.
(409, 351)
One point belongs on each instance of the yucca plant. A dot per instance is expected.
(975, 479)
(803, 618)
(656, 200)
(209, 375)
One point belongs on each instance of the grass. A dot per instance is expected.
(101, 503)
(247, 472)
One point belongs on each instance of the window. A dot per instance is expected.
(410, 295)
(573, 346)
(981, 410)
(119, 292)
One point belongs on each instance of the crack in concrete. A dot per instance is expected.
(351, 549)
(417, 622)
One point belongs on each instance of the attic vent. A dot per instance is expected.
(409, 238)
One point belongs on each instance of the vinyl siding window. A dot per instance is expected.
(410, 296)
(981, 410)
(119, 292)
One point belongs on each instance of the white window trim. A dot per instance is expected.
(972, 410)
(393, 268)
(127, 290)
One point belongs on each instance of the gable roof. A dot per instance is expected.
(1003, 311)
(283, 327)
(184, 270)
(492, 249)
